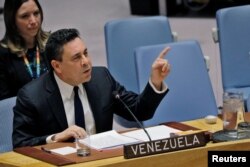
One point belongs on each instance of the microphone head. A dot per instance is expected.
(116, 94)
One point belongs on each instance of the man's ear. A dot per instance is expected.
(56, 66)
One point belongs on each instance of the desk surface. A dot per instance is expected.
(171, 159)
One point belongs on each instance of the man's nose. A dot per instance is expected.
(84, 60)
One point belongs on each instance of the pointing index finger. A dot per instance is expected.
(164, 52)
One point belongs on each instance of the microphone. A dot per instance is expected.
(117, 96)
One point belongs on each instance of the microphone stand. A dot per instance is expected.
(117, 96)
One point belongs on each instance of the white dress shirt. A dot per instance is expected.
(67, 95)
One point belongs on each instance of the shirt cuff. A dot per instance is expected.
(49, 139)
(163, 89)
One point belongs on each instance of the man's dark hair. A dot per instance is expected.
(56, 41)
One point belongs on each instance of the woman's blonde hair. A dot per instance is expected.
(12, 39)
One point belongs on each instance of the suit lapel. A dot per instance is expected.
(55, 101)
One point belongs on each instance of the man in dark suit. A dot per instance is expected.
(44, 111)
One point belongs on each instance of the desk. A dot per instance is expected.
(191, 157)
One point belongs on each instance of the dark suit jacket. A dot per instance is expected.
(39, 111)
(13, 73)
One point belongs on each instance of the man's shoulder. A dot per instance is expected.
(99, 70)
(36, 86)
(100, 74)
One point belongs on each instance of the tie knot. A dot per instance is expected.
(76, 89)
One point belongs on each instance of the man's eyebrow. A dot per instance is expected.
(76, 55)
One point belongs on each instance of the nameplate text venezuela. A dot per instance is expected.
(164, 145)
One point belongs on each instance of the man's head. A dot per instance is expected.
(68, 56)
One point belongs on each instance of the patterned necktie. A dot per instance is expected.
(79, 114)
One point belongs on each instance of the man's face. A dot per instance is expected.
(75, 67)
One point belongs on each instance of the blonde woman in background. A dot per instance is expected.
(22, 47)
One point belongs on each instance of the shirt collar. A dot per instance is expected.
(65, 88)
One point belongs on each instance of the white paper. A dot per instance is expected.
(107, 139)
(155, 133)
(112, 138)
(64, 150)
